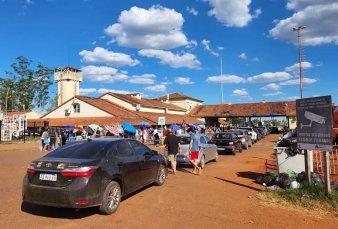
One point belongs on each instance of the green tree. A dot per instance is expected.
(25, 88)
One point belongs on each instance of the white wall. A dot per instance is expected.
(86, 110)
(119, 102)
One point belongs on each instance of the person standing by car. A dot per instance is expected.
(172, 143)
(194, 150)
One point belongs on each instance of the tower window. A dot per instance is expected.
(76, 107)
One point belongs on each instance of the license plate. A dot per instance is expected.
(221, 148)
(49, 177)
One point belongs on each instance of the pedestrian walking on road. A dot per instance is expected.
(194, 150)
(172, 143)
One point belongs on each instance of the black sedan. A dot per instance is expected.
(227, 142)
(94, 172)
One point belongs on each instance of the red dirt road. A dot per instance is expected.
(224, 196)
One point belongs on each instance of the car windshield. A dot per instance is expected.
(80, 150)
(185, 140)
(238, 132)
(222, 136)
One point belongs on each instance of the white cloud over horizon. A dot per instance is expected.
(231, 79)
(142, 79)
(103, 56)
(271, 86)
(207, 47)
(187, 60)
(297, 81)
(295, 67)
(232, 13)
(240, 92)
(269, 77)
(102, 74)
(86, 91)
(183, 80)
(274, 93)
(154, 28)
(156, 88)
(320, 18)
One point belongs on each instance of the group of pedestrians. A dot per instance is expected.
(172, 143)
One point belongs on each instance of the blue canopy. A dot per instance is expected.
(175, 127)
(128, 127)
(144, 124)
(69, 127)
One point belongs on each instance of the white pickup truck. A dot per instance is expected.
(251, 131)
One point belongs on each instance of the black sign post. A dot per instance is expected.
(314, 129)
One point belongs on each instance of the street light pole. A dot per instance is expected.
(300, 57)
(221, 81)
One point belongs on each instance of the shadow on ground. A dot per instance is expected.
(239, 184)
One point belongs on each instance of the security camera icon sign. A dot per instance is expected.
(313, 118)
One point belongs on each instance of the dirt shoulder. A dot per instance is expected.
(224, 196)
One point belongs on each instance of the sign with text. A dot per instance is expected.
(161, 121)
(314, 123)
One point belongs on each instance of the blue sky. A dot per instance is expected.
(159, 47)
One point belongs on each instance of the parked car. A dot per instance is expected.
(251, 132)
(227, 142)
(93, 172)
(244, 137)
(208, 150)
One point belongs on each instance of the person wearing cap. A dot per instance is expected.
(172, 143)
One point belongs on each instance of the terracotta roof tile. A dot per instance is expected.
(177, 96)
(12, 113)
(246, 109)
(146, 102)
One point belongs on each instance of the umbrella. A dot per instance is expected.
(95, 126)
(128, 127)
(197, 127)
(175, 127)
(144, 124)
(201, 123)
(112, 130)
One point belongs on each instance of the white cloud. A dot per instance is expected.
(192, 11)
(240, 92)
(102, 74)
(192, 44)
(295, 67)
(320, 17)
(159, 87)
(155, 28)
(274, 93)
(105, 90)
(271, 86)
(142, 79)
(297, 81)
(255, 59)
(207, 47)
(243, 56)
(292, 98)
(101, 55)
(187, 60)
(85, 91)
(183, 80)
(220, 48)
(269, 77)
(232, 13)
(225, 79)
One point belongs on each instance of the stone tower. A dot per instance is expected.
(68, 80)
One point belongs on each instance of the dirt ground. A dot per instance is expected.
(224, 196)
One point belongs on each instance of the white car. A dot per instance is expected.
(251, 131)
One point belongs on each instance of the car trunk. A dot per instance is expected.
(52, 171)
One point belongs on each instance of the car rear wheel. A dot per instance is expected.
(202, 162)
(246, 146)
(240, 148)
(111, 198)
(161, 175)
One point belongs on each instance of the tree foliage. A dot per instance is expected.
(24, 88)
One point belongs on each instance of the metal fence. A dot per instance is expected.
(318, 163)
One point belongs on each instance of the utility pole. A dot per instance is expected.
(300, 56)
(221, 81)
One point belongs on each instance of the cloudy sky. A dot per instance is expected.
(159, 46)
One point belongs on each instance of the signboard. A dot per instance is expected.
(161, 121)
(314, 123)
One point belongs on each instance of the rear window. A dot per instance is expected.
(184, 140)
(222, 136)
(238, 132)
(80, 150)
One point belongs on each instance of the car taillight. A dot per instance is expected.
(231, 143)
(31, 170)
(79, 172)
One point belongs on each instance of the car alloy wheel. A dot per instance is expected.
(161, 176)
(111, 198)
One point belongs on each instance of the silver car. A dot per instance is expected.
(208, 151)
(244, 137)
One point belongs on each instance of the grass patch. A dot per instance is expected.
(308, 197)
